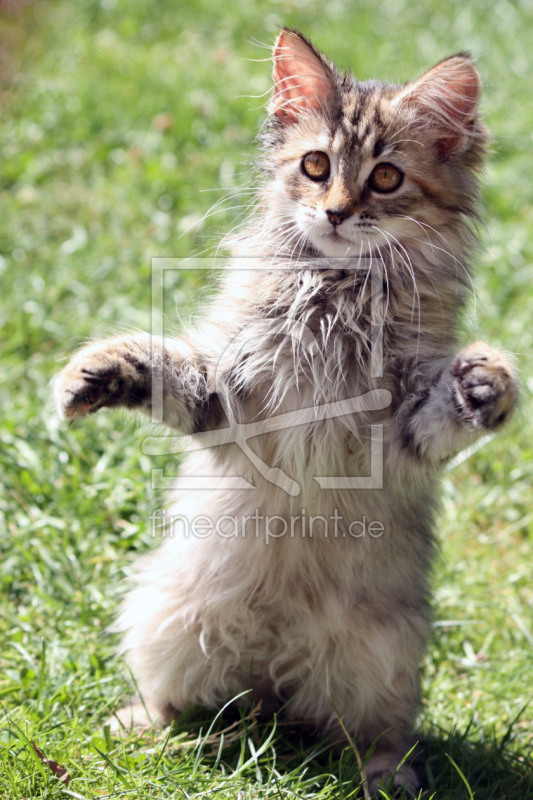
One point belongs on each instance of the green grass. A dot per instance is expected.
(117, 117)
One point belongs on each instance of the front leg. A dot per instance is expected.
(476, 394)
(166, 380)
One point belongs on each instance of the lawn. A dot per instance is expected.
(123, 122)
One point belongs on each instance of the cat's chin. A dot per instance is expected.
(333, 245)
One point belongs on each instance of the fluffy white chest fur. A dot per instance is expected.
(330, 387)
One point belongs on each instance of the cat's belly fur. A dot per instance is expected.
(320, 613)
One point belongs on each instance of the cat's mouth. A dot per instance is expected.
(359, 241)
(356, 227)
(357, 231)
(336, 235)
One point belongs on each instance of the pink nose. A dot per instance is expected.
(336, 217)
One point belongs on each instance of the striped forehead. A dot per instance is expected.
(359, 130)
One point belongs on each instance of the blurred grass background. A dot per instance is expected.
(123, 121)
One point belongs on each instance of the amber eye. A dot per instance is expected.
(316, 166)
(385, 178)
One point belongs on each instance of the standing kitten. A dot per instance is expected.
(367, 185)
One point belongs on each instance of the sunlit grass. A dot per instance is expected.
(124, 121)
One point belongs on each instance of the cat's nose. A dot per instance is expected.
(336, 217)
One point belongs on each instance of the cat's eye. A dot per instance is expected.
(316, 166)
(385, 178)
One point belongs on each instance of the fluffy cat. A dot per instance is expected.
(358, 246)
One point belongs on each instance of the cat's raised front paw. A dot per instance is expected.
(100, 375)
(484, 386)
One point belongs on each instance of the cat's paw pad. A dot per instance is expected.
(484, 386)
(96, 377)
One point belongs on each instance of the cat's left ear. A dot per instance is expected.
(445, 101)
(302, 78)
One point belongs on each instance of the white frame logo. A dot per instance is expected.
(240, 433)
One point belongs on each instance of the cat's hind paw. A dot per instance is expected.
(384, 775)
(100, 375)
(484, 386)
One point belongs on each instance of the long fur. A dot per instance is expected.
(311, 614)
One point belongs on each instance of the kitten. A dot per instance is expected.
(358, 246)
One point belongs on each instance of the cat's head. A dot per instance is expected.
(359, 166)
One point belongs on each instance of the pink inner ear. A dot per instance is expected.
(301, 79)
(461, 92)
(447, 97)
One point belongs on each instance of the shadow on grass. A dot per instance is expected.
(451, 765)
(492, 770)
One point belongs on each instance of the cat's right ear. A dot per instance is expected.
(302, 79)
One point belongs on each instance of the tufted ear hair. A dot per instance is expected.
(445, 101)
(302, 78)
